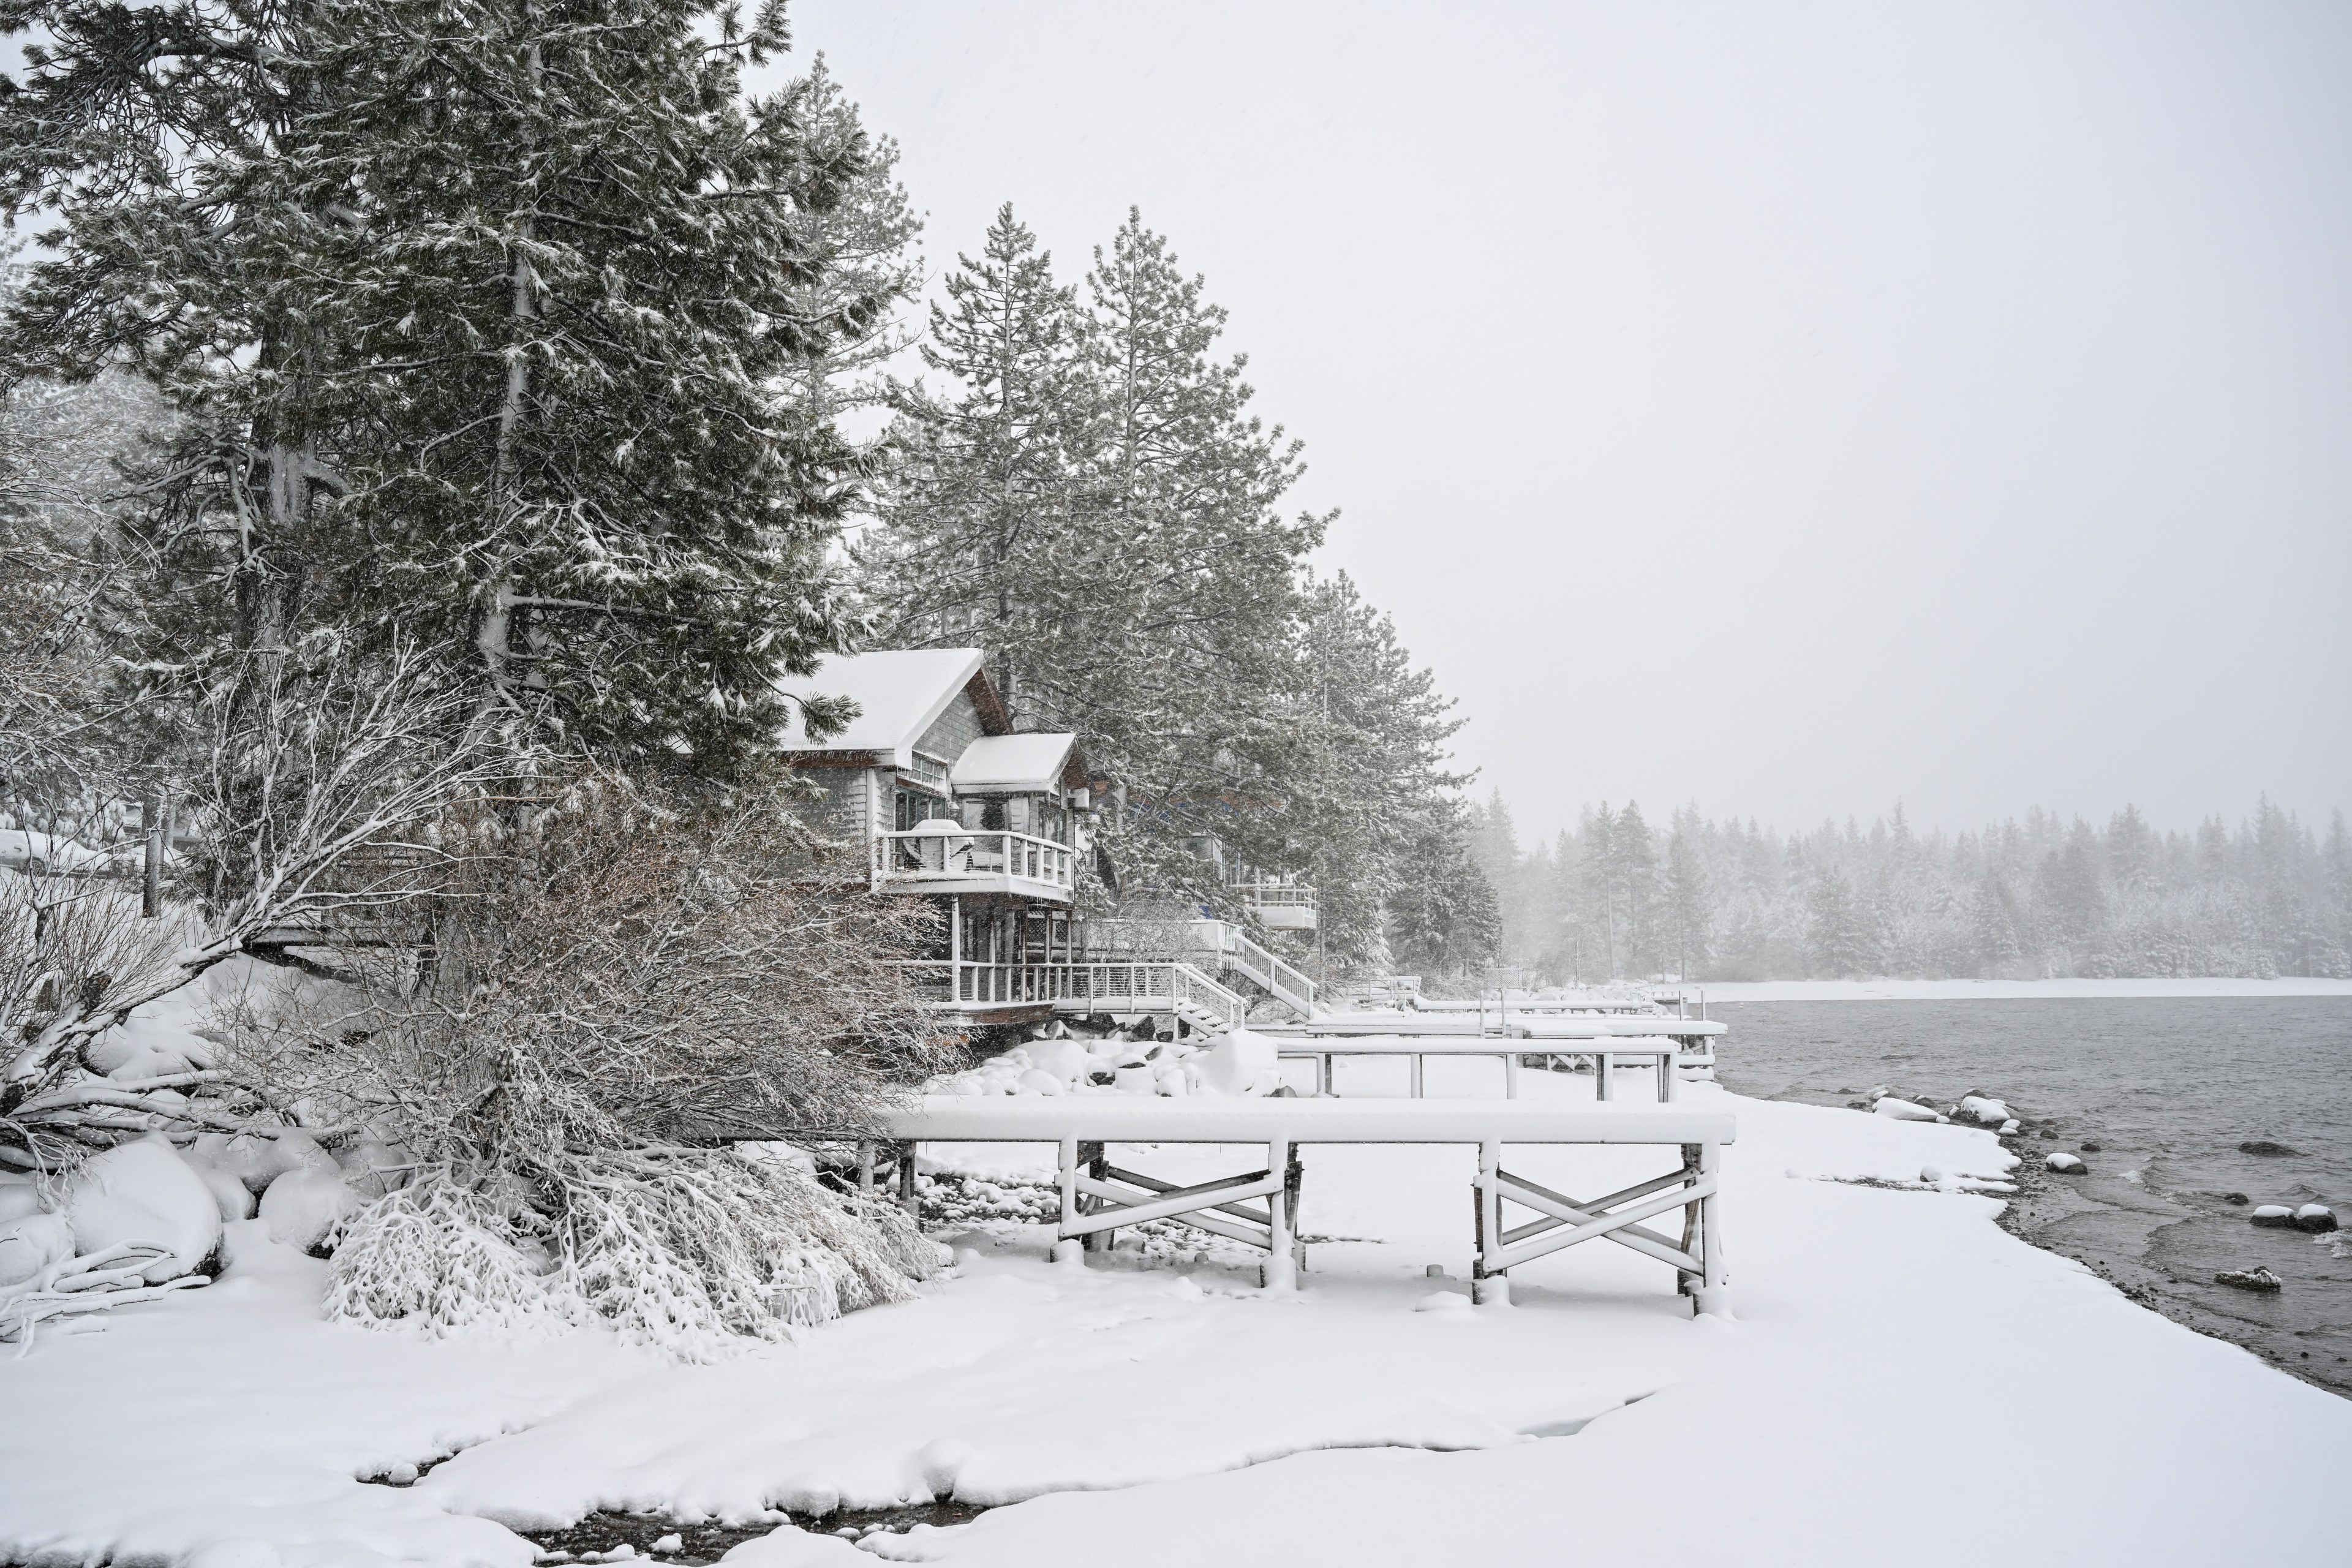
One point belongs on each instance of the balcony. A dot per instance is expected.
(941, 857)
(1280, 906)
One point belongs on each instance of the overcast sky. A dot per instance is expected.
(1789, 408)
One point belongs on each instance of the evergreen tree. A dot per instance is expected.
(482, 320)
(1689, 900)
(1837, 936)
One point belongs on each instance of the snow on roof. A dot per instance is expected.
(899, 693)
(1012, 762)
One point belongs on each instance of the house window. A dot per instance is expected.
(917, 805)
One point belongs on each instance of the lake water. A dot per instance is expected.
(2168, 1088)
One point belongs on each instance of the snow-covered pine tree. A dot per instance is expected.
(1688, 898)
(1369, 761)
(482, 316)
(974, 520)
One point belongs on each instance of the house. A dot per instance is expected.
(999, 827)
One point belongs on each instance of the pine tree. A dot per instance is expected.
(1689, 900)
(482, 319)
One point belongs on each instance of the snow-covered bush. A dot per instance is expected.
(613, 1002)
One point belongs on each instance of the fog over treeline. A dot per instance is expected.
(1623, 896)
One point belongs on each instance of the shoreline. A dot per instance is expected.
(2113, 1227)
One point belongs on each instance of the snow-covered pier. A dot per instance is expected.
(1098, 1198)
(1656, 1053)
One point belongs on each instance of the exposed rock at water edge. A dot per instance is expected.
(2255, 1279)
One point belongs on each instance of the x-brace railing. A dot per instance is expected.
(1616, 1216)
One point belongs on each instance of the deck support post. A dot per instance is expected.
(1098, 1163)
(1713, 1296)
(1281, 1272)
(865, 1164)
(1485, 1288)
(1070, 1249)
(1511, 1076)
(910, 1198)
(1418, 1070)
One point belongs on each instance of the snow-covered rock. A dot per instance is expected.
(144, 1191)
(1242, 1062)
(1904, 1110)
(1139, 1079)
(30, 1243)
(1982, 1110)
(18, 1197)
(2314, 1217)
(2273, 1217)
(257, 1159)
(2256, 1278)
(1065, 1060)
(234, 1198)
(302, 1206)
(2066, 1164)
(373, 1167)
(790, 1546)
(1037, 1080)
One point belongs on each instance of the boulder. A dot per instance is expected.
(373, 1167)
(2066, 1165)
(30, 1243)
(2314, 1217)
(302, 1206)
(2091, 1148)
(2256, 1278)
(1982, 1110)
(18, 1197)
(2265, 1147)
(2274, 1216)
(1037, 1080)
(1904, 1110)
(1242, 1062)
(234, 1198)
(144, 1191)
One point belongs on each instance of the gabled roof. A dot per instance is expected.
(1014, 763)
(899, 693)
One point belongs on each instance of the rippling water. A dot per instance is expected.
(2168, 1088)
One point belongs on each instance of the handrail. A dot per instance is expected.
(1291, 895)
(1174, 987)
(936, 857)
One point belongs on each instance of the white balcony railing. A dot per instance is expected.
(927, 855)
(1278, 895)
(1082, 987)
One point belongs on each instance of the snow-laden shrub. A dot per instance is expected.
(615, 1004)
(696, 1253)
(439, 1257)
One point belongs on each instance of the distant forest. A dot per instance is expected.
(1622, 898)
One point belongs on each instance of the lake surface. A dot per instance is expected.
(2168, 1088)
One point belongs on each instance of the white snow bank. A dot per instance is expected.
(1241, 1061)
(1338, 1424)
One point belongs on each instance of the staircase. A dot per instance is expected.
(1145, 987)
(1238, 954)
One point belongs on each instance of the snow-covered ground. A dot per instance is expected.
(2006, 990)
(1902, 1382)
